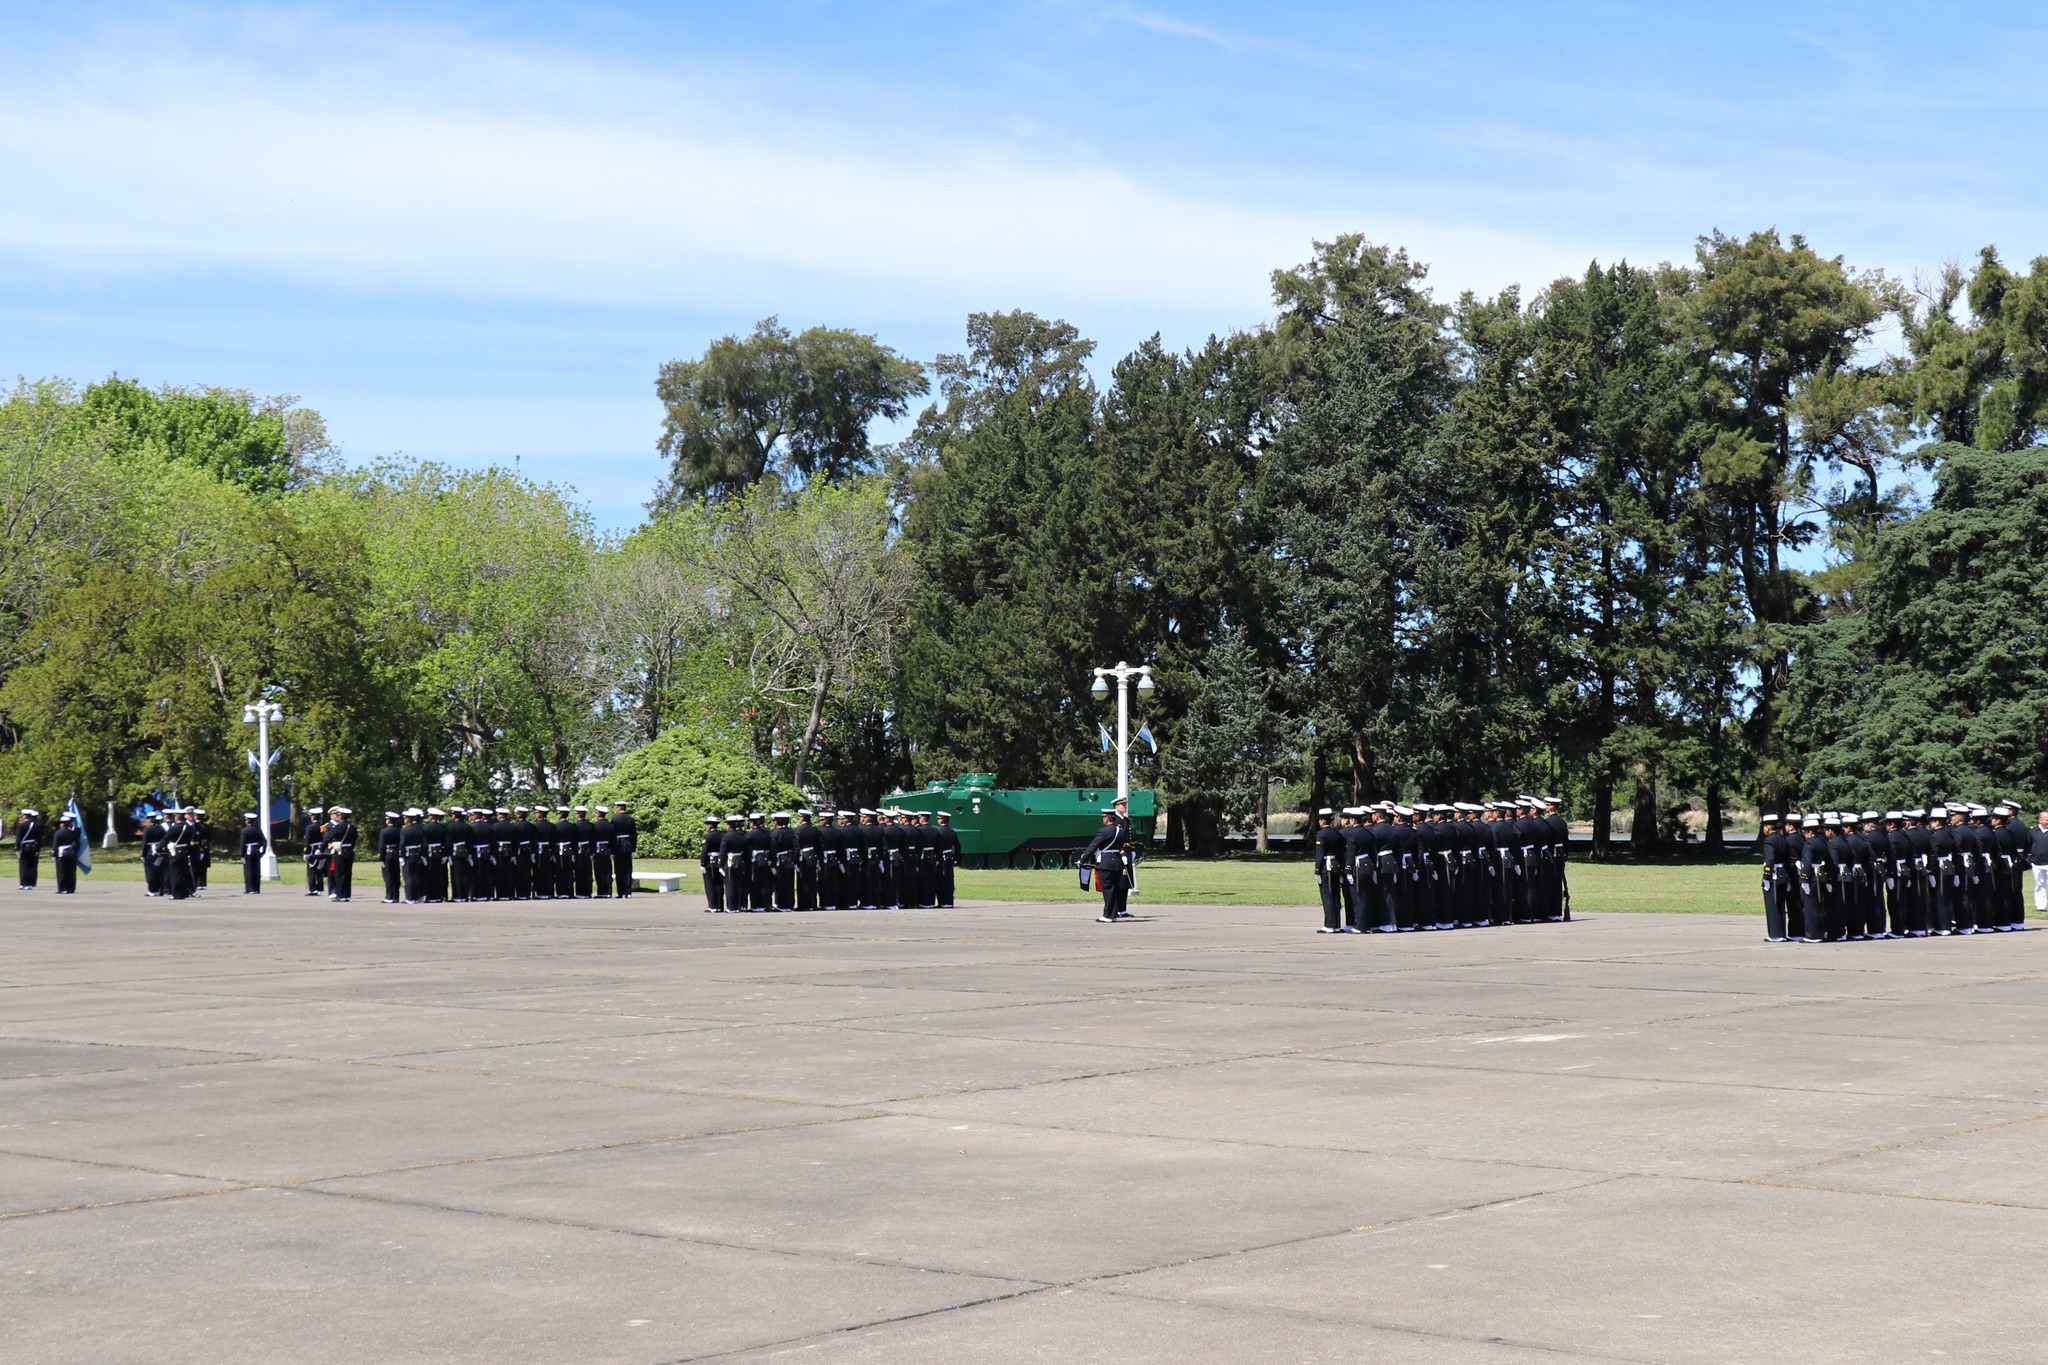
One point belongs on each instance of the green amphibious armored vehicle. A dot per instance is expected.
(1028, 826)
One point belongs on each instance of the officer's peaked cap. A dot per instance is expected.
(344, 810)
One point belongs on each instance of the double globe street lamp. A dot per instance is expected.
(1122, 673)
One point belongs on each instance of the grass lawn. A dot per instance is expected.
(1693, 888)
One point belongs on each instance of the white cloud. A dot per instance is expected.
(426, 160)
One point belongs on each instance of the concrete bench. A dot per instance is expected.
(658, 881)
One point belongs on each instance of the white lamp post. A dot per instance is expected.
(1123, 673)
(262, 713)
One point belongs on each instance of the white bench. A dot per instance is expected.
(661, 881)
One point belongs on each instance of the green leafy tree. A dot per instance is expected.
(1773, 331)
(1981, 381)
(1236, 738)
(776, 405)
(266, 446)
(1939, 687)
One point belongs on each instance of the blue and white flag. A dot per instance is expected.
(1145, 733)
(1103, 730)
(84, 844)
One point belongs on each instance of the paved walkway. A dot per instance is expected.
(260, 1130)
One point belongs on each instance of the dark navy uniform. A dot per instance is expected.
(152, 836)
(810, 845)
(64, 847)
(1329, 870)
(601, 853)
(782, 860)
(712, 868)
(625, 843)
(1109, 854)
(949, 859)
(252, 856)
(29, 836)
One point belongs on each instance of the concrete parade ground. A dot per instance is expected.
(276, 1128)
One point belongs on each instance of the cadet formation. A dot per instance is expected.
(431, 856)
(1389, 868)
(828, 860)
(1955, 868)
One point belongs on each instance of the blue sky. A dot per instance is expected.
(472, 233)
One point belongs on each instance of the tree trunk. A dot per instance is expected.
(1265, 803)
(1604, 778)
(1361, 771)
(1643, 810)
(803, 753)
(1714, 831)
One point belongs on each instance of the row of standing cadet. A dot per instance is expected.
(65, 842)
(431, 856)
(1389, 868)
(828, 860)
(1952, 869)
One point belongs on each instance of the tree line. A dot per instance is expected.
(1754, 528)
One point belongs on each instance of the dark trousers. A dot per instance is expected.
(1331, 883)
(806, 885)
(1813, 910)
(341, 884)
(152, 875)
(1774, 907)
(545, 875)
(601, 872)
(507, 870)
(714, 887)
(178, 877)
(1348, 887)
(785, 886)
(761, 885)
(459, 879)
(252, 873)
(582, 874)
(945, 885)
(522, 878)
(389, 866)
(202, 863)
(314, 882)
(622, 874)
(31, 866)
(67, 874)
(415, 881)
(565, 876)
(736, 883)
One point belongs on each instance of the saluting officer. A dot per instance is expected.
(1109, 853)
(29, 834)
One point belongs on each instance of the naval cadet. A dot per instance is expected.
(625, 843)
(29, 834)
(252, 854)
(341, 854)
(810, 845)
(1329, 855)
(709, 863)
(1109, 854)
(177, 854)
(949, 859)
(831, 860)
(309, 837)
(386, 844)
(65, 843)
(412, 856)
(1769, 849)
(152, 836)
(601, 851)
(782, 861)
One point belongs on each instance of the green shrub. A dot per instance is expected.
(670, 784)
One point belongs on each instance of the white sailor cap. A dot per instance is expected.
(310, 810)
(431, 810)
(1810, 822)
(414, 810)
(1404, 810)
(561, 810)
(584, 810)
(2001, 809)
(1325, 810)
(1870, 815)
(67, 815)
(1353, 811)
(1894, 815)
(201, 810)
(710, 819)
(390, 815)
(1769, 819)
(782, 815)
(31, 810)
(755, 815)
(1977, 810)
(339, 810)
(520, 810)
